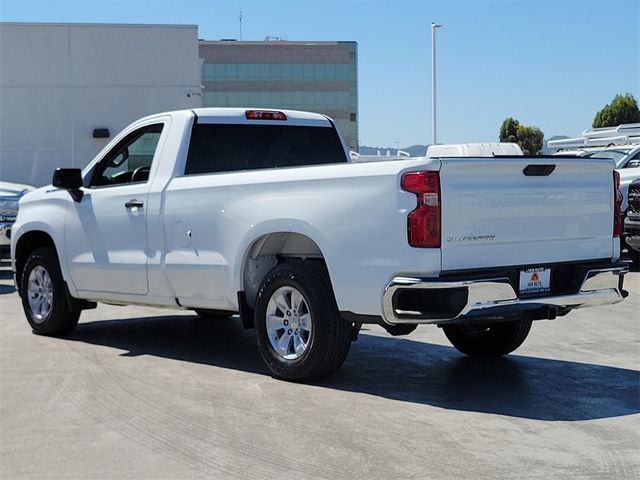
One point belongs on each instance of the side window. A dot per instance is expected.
(130, 160)
(629, 162)
(218, 148)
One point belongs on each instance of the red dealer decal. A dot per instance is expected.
(535, 280)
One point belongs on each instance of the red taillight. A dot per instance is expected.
(423, 223)
(264, 115)
(617, 208)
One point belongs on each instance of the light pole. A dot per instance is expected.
(434, 26)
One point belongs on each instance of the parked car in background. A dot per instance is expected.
(625, 134)
(627, 159)
(625, 156)
(10, 195)
(632, 223)
(474, 150)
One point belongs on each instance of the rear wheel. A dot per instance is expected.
(45, 299)
(301, 335)
(488, 340)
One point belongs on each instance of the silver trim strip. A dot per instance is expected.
(599, 287)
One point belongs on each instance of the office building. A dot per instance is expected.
(314, 76)
(67, 89)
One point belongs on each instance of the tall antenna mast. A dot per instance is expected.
(240, 18)
(434, 26)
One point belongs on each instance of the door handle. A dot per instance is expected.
(134, 204)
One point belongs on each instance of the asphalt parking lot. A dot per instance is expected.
(144, 393)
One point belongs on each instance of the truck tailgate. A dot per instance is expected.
(493, 214)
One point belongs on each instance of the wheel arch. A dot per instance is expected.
(27, 243)
(268, 250)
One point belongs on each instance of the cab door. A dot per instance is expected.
(106, 232)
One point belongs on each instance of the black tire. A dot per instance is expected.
(330, 337)
(488, 340)
(634, 255)
(214, 314)
(59, 319)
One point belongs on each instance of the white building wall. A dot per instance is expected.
(60, 81)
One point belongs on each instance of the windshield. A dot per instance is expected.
(615, 155)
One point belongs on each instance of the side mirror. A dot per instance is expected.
(69, 179)
(633, 164)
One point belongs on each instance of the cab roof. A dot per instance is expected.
(239, 115)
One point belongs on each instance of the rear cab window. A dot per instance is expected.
(216, 148)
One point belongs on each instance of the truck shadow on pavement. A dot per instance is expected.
(397, 369)
(6, 274)
(4, 289)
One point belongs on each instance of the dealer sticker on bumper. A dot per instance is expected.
(535, 280)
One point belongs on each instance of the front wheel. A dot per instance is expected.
(301, 335)
(44, 295)
(488, 340)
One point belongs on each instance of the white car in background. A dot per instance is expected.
(627, 159)
(625, 156)
(10, 195)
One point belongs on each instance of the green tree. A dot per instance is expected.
(622, 109)
(509, 129)
(530, 139)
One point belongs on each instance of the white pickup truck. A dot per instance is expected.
(260, 212)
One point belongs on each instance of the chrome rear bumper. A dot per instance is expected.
(600, 286)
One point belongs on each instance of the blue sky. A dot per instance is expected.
(549, 64)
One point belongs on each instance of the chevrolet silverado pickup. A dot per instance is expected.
(261, 213)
